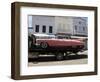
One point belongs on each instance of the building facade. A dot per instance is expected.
(63, 25)
(42, 24)
(80, 26)
(57, 24)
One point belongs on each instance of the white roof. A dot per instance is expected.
(44, 35)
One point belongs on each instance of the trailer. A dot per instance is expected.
(59, 53)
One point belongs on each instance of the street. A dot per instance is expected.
(72, 59)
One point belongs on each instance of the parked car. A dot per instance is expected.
(59, 46)
(51, 41)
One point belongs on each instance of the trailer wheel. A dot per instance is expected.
(59, 56)
(66, 55)
(75, 52)
(35, 55)
(44, 45)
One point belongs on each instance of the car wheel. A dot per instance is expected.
(44, 45)
(59, 56)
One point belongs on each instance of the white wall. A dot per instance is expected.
(5, 41)
(63, 24)
(43, 20)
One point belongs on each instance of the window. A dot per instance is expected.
(79, 22)
(50, 29)
(37, 28)
(59, 25)
(75, 27)
(83, 28)
(44, 29)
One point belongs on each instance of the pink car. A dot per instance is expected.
(51, 41)
(44, 43)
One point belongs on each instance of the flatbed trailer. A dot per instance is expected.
(59, 53)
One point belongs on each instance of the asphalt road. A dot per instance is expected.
(72, 59)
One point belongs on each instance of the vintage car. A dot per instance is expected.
(52, 41)
(56, 45)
